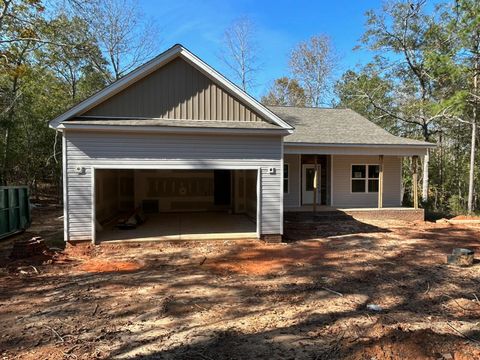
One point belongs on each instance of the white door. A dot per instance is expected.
(308, 175)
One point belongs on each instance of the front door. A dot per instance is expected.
(308, 175)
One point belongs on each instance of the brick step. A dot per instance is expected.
(318, 217)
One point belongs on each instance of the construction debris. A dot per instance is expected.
(461, 257)
(132, 220)
(248, 299)
(28, 248)
(374, 307)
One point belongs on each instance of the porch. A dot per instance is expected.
(324, 211)
(364, 185)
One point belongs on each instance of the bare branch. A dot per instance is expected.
(240, 50)
(312, 63)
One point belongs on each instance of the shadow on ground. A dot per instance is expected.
(245, 299)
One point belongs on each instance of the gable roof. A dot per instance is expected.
(337, 126)
(156, 63)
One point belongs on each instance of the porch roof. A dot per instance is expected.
(324, 126)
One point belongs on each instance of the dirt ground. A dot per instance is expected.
(304, 299)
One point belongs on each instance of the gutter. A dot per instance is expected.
(302, 144)
(171, 129)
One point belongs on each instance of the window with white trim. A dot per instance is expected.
(364, 178)
(286, 181)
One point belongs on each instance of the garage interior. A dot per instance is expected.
(145, 205)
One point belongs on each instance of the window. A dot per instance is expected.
(285, 178)
(365, 178)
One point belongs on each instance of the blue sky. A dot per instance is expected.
(199, 25)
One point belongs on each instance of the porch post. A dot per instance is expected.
(415, 182)
(380, 183)
(315, 182)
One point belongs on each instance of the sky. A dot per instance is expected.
(200, 25)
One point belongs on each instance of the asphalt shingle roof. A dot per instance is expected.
(176, 123)
(336, 126)
(312, 125)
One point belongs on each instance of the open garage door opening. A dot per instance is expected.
(143, 205)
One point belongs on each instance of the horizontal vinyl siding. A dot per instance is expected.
(176, 91)
(342, 195)
(292, 198)
(87, 149)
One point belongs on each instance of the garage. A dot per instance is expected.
(175, 204)
(172, 150)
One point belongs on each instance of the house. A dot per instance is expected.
(176, 142)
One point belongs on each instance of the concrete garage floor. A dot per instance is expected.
(184, 226)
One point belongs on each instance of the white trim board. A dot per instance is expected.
(282, 194)
(169, 129)
(154, 64)
(331, 180)
(65, 186)
(321, 144)
(347, 149)
(299, 180)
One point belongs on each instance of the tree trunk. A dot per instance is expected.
(473, 145)
(471, 177)
(6, 146)
(426, 163)
(7, 135)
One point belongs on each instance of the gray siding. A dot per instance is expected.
(176, 91)
(292, 198)
(342, 195)
(137, 150)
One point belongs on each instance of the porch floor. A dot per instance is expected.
(320, 208)
(183, 226)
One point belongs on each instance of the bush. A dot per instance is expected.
(456, 205)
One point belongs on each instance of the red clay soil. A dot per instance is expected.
(249, 300)
(102, 266)
(466, 217)
(261, 259)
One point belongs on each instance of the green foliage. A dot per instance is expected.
(456, 205)
(74, 56)
(286, 92)
(422, 84)
(48, 64)
(367, 93)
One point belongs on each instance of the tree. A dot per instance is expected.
(43, 71)
(126, 36)
(77, 59)
(19, 20)
(466, 26)
(286, 92)
(403, 36)
(367, 93)
(455, 65)
(239, 51)
(312, 63)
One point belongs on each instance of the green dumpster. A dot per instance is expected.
(14, 210)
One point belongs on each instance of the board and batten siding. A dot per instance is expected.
(169, 151)
(341, 182)
(176, 91)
